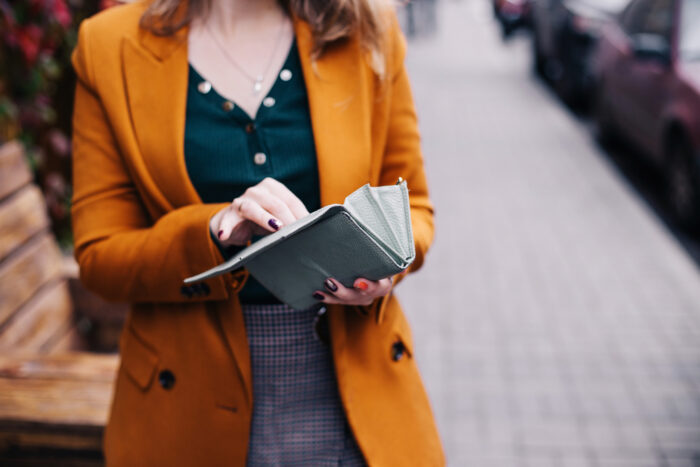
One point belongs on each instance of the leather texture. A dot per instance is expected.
(368, 236)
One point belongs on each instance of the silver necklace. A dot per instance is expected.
(257, 80)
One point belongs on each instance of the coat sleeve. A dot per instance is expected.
(403, 157)
(123, 254)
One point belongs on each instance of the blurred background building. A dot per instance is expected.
(557, 318)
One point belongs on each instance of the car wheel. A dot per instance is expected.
(539, 61)
(603, 125)
(682, 184)
(565, 82)
(506, 30)
(564, 85)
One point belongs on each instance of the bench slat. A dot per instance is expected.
(39, 324)
(26, 271)
(54, 403)
(23, 215)
(14, 172)
(74, 366)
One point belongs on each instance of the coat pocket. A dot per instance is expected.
(139, 360)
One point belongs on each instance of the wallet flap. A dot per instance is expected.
(242, 257)
(384, 211)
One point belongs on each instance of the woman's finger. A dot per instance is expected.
(251, 210)
(383, 287)
(233, 229)
(228, 220)
(271, 203)
(337, 290)
(366, 286)
(280, 190)
(354, 299)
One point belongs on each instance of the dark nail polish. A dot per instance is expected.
(330, 285)
(221, 232)
(273, 223)
(318, 296)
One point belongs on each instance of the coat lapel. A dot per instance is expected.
(156, 70)
(156, 78)
(338, 97)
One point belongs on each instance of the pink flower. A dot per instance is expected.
(29, 39)
(55, 183)
(62, 13)
(59, 143)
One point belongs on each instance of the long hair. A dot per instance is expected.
(331, 21)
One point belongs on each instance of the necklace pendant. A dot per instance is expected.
(257, 87)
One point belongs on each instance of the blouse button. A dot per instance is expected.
(259, 158)
(250, 127)
(204, 87)
(227, 106)
(285, 75)
(269, 101)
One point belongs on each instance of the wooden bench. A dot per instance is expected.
(54, 393)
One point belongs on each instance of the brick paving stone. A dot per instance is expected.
(556, 321)
(576, 462)
(674, 462)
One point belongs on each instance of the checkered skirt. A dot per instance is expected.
(298, 418)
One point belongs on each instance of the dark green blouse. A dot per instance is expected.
(227, 151)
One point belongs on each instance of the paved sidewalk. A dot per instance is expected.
(556, 322)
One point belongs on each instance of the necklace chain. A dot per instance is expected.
(257, 80)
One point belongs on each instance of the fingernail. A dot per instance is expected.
(318, 296)
(221, 232)
(273, 223)
(330, 285)
(362, 285)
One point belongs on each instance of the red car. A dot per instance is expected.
(648, 90)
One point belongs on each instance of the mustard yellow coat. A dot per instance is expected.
(140, 229)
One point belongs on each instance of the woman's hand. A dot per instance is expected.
(261, 209)
(364, 291)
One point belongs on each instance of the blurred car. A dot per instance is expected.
(648, 64)
(565, 33)
(512, 14)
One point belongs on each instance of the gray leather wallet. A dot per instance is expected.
(369, 236)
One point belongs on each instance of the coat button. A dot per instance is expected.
(397, 351)
(227, 106)
(166, 378)
(186, 291)
(201, 289)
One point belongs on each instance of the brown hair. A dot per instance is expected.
(331, 21)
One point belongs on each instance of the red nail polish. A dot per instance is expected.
(362, 285)
(221, 232)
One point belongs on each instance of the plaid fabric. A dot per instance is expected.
(298, 418)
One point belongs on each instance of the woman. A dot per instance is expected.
(199, 126)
